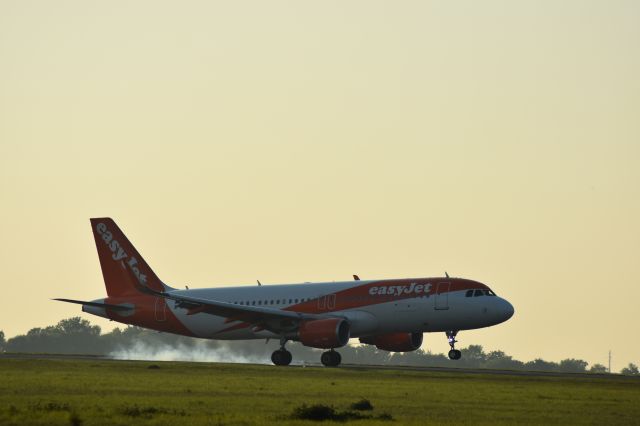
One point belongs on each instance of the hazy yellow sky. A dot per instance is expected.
(294, 141)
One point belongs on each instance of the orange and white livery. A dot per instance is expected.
(390, 314)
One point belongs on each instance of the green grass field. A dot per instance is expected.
(96, 392)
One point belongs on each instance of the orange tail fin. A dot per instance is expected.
(114, 249)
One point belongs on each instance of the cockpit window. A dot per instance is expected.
(479, 292)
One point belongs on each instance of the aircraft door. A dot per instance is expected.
(442, 296)
(331, 301)
(327, 302)
(160, 309)
(322, 302)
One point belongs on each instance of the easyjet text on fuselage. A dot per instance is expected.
(399, 290)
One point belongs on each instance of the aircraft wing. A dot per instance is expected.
(269, 318)
(232, 311)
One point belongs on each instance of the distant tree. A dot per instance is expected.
(77, 325)
(631, 370)
(474, 355)
(405, 358)
(500, 360)
(73, 335)
(2, 341)
(415, 358)
(571, 365)
(598, 368)
(369, 354)
(541, 365)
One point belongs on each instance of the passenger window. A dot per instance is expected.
(271, 302)
(253, 302)
(469, 293)
(296, 300)
(478, 293)
(259, 302)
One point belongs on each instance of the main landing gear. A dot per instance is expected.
(453, 353)
(281, 356)
(330, 358)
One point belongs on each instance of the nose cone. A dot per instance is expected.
(506, 309)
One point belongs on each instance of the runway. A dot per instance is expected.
(363, 367)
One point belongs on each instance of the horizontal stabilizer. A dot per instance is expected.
(96, 304)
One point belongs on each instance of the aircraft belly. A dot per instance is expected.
(395, 317)
(459, 316)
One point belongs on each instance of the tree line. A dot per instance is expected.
(78, 336)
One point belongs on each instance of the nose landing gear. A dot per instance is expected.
(453, 353)
(281, 356)
(330, 358)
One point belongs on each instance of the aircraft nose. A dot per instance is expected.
(507, 309)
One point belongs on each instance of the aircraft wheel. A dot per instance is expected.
(455, 354)
(281, 357)
(330, 358)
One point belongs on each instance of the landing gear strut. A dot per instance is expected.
(453, 353)
(281, 356)
(330, 358)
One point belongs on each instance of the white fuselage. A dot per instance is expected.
(368, 314)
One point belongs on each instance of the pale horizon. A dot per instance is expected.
(291, 142)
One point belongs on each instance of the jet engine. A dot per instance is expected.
(395, 342)
(324, 333)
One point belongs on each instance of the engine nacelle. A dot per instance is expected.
(324, 333)
(395, 342)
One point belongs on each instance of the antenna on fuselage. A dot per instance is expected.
(357, 278)
(446, 273)
(259, 283)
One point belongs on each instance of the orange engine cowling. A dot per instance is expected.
(395, 342)
(324, 333)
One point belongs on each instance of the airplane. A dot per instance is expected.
(391, 314)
